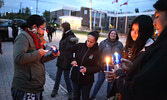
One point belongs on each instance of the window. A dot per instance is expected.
(85, 12)
(66, 12)
(93, 14)
(103, 16)
(97, 15)
(73, 13)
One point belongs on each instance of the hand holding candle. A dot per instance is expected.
(82, 69)
(54, 50)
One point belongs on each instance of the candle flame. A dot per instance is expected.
(116, 53)
(107, 59)
(53, 47)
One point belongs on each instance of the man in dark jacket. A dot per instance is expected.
(64, 60)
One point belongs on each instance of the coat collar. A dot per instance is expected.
(148, 43)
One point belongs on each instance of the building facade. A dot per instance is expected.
(101, 20)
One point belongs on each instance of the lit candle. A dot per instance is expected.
(116, 57)
(117, 60)
(107, 63)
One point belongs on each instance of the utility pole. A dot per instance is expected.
(126, 19)
(36, 6)
(90, 15)
(20, 7)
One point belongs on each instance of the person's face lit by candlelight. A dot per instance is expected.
(135, 31)
(160, 21)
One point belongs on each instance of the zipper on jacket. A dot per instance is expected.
(84, 56)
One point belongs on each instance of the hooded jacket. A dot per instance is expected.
(108, 47)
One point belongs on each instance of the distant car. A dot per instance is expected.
(20, 22)
(6, 28)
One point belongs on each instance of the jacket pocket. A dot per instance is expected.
(37, 75)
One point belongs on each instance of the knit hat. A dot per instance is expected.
(161, 5)
(94, 34)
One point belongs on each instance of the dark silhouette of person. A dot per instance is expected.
(49, 31)
(15, 30)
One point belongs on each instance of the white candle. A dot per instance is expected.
(107, 63)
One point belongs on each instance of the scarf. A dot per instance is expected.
(39, 40)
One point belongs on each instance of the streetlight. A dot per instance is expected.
(31, 9)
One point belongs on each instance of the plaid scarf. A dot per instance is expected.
(39, 40)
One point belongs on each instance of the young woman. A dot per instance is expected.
(138, 40)
(84, 66)
(29, 58)
(106, 48)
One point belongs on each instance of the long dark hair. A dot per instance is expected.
(146, 31)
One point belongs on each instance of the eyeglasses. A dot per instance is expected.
(43, 28)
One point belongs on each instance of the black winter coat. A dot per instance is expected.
(87, 57)
(65, 58)
(149, 82)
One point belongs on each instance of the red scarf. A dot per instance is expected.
(36, 38)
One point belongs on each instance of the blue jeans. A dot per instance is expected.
(66, 77)
(83, 90)
(101, 78)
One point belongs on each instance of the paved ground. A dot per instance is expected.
(6, 71)
(6, 75)
(51, 67)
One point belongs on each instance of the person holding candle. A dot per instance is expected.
(139, 40)
(85, 61)
(29, 58)
(106, 49)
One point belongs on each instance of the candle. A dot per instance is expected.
(107, 63)
(79, 68)
(117, 58)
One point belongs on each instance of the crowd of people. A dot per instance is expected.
(140, 76)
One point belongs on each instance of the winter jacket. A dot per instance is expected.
(65, 58)
(87, 57)
(29, 70)
(108, 48)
